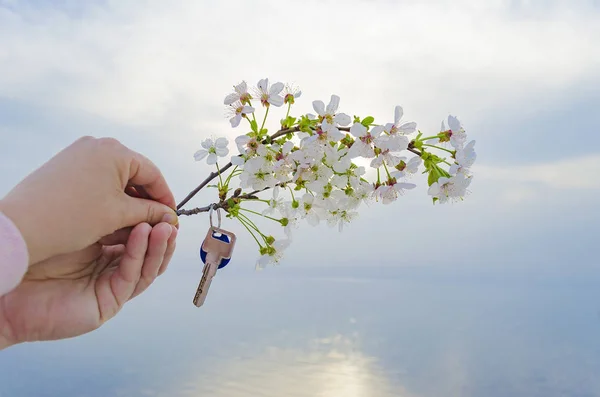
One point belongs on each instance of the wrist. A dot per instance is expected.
(6, 339)
(25, 230)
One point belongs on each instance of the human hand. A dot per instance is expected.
(86, 217)
(89, 190)
(72, 294)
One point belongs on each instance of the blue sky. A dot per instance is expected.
(523, 76)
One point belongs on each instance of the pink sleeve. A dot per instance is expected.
(14, 257)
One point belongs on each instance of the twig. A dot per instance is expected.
(213, 175)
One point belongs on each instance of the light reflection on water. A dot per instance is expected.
(420, 333)
(330, 367)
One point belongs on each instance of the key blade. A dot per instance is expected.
(210, 269)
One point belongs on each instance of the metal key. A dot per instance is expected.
(217, 251)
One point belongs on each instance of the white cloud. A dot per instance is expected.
(575, 173)
(170, 63)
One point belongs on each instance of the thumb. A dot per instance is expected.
(150, 211)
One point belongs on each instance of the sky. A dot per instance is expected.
(523, 77)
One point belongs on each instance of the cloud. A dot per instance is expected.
(154, 74)
(579, 173)
(156, 63)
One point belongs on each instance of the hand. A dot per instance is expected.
(97, 219)
(72, 294)
(85, 193)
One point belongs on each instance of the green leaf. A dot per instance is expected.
(433, 177)
(367, 121)
(254, 125)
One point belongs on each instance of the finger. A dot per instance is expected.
(132, 192)
(144, 173)
(119, 237)
(157, 246)
(137, 210)
(170, 250)
(126, 276)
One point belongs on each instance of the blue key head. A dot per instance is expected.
(218, 236)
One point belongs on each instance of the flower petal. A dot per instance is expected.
(221, 142)
(334, 103)
(342, 119)
(434, 189)
(207, 143)
(212, 159)
(376, 131)
(275, 100)
(358, 130)
(263, 84)
(399, 112)
(235, 120)
(231, 98)
(319, 107)
(276, 88)
(200, 154)
(237, 160)
(222, 151)
(454, 124)
(241, 88)
(408, 128)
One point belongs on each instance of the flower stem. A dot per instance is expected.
(288, 111)
(292, 193)
(387, 171)
(428, 138)
(219, 172)
(263, 215)
(252, 225)
(440, 148)
(231, 175)
(265, 119)
(249, 231)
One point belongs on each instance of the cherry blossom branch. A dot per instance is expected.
(213, 175)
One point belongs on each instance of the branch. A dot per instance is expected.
(213, 175)
(224, 203)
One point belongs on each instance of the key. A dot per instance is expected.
(217, 248)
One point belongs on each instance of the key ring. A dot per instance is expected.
(210, 216)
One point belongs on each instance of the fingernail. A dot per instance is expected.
(170, 218)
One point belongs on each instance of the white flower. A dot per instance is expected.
(290, 227)
(340, 218)
(212, 149)
(310, 209)
(291, 93)
(275, 204)
(238, 111)
(453, 188)
(390, 192)
(269, 95)
(240, 94)
(329, 114)
(465, 158)
(397, 128)
(258, 174)
(457, 134)
(387, 146)
(363, 145)
(273, 255)
(250, 146)
(408, 169)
